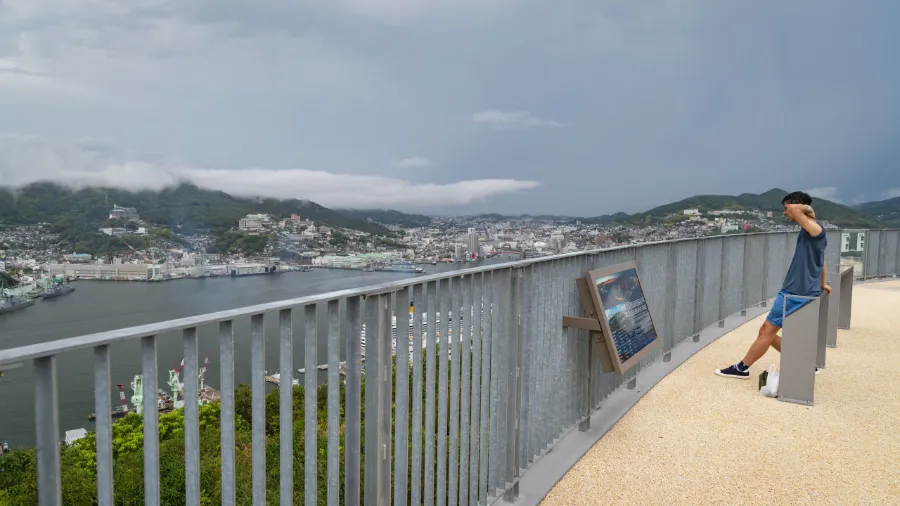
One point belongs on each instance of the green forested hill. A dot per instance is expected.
(387, 217)
(185, 207)
(887, 211)
(840, 215)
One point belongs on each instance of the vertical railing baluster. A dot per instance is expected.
(401, 425)
(454, 339)
(385, 388)
(670, 305)
(258, 409)
(443, 363)
(487, 316)
(352, 413)
(745, 275)
(723, 286)
(286, 406)
(475, 437)
(191, 418)
(103, 426)
(465, 354)
(316, 326)
(527, 371)
(498, 309)
(506, 395)
(226, 413)
(430, 383)
(151, 420)
(415, 482)
(46, 415)
(336, 313)
(699, 282)
(516, 336)
(372, 451)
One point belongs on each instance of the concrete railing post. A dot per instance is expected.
(799, 350)
(846, 298)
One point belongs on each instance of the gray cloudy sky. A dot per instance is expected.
(456, 106)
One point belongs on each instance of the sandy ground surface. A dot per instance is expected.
(697, 438)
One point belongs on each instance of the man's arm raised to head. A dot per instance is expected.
(796, 212)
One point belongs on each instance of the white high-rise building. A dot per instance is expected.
(474, 245)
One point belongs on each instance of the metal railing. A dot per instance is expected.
(443, 431)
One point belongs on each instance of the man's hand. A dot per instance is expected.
(793, 210)
(827, 289)
(804, 216)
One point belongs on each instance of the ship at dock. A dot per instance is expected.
(58, 289)
(449, 326)
(401, 267)
(165, 402)
(9, 303)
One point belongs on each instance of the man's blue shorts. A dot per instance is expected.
(784, 307)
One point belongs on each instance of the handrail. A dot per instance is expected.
(30, 352)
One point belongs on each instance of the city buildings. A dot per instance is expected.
(251, 224)
(78, 258)
(295, 240)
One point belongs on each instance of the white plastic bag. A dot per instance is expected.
(770, 389)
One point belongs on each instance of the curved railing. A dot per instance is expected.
(440, 431)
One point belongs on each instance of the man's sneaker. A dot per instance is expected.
(733, 372)
(818, 371)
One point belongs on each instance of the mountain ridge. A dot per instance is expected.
(189, 208)
(770, 200)
(887, 210)
(186, 207)
(838, 214)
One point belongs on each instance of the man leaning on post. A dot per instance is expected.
(805, 277)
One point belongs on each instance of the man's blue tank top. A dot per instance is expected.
(804, 277)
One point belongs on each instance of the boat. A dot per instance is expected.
(58, 289)
(35, 293)
(164, 403)
(402, 267)
(9, 304)
(120, 410)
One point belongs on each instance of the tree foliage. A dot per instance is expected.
(240, 243)
(7, 280)
(388, 217)
(18, 469)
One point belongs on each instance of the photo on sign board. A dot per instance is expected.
(625, 313)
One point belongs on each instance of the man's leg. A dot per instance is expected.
(768, 336)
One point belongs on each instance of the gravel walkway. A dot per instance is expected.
(697, 438)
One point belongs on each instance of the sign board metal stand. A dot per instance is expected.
(591, 323)
(591, 288)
